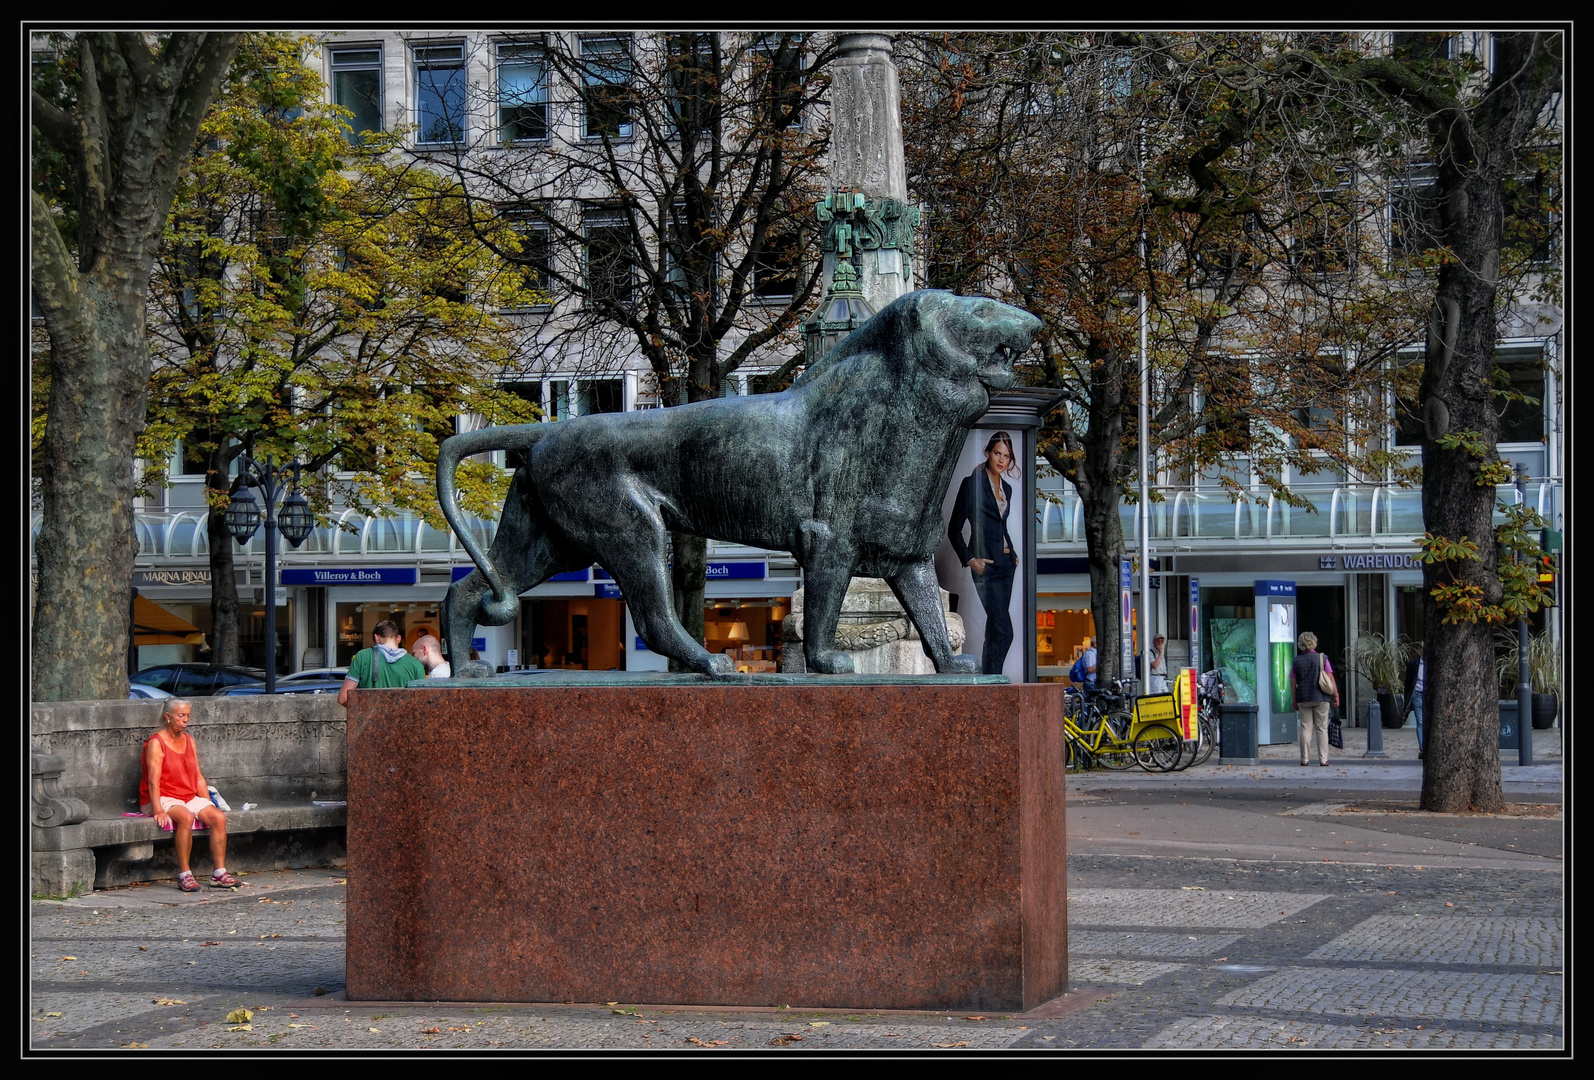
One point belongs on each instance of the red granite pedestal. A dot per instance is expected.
(882, 846)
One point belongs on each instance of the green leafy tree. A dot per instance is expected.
(320, 301)
(113, 116)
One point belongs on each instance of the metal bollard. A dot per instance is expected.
(1375, 731)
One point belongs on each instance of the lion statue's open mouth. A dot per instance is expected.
(846, 470)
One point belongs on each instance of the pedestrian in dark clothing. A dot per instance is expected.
(1309, 699)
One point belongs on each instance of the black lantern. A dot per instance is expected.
(295, 519)
(841, 312)
(242, 516)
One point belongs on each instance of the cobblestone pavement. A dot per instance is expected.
(1196, 954)
(1225, 912)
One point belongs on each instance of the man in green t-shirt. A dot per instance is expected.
(385, 665)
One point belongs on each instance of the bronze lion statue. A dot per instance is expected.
(846, 470)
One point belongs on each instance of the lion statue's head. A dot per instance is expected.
(962, 338)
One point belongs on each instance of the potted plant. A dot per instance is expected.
(1381, 661)
(1544, 672)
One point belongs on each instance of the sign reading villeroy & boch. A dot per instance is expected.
(351, 575)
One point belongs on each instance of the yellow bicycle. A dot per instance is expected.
(1099, 730)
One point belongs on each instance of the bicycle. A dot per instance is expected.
(1098, 729)
(1209, 695)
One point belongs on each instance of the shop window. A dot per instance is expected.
(357, 86)
(440, 87)
(522, 93)
(1062, 624)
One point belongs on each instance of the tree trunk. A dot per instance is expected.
(1461, 768)
(98, 389)
(224, 644)
(1098, 479)
(1474, 155)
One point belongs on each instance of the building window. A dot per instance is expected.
(778, 67)
(1421, 47)
(1324, 241)
(694, 98)
(440, 94)
(601, 396)
(1415, 225)
(606, 88)
(522, 93)
(609, 261)
(1520, 375)
(1408, 400)
(775, 266)
(195, 461)
(556, 406)
(357, 86)
(533, 262)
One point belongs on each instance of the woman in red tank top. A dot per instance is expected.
(171, 776)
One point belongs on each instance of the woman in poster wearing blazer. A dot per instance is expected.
(984, 502)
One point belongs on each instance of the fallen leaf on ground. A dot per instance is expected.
(240, 1016)
(242, 1027)
(376, 1030)
(949, 1046)
(785, 1040)
(820, 1023)
(143, 948)
(424, 1031)
(1193, 888)
(66, 958)
(974, 1018)
(52, 1014)
(202, 944)
(169, 1001)
(137, 1046)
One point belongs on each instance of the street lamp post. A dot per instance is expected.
(294, 521)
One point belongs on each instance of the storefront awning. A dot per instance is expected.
(154, 625)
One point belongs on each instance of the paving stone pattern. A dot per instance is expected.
(1194, 954)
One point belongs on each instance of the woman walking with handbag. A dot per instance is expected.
(1312, 688)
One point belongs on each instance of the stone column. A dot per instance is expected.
(866, 157)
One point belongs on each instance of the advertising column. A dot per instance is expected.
(1195, 624)
(1275, 651)
(1126, 620)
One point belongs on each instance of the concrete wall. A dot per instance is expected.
(250, 748)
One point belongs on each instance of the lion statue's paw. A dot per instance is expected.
(472, 669)
(834, 662)
(720, 664)
(964, 664)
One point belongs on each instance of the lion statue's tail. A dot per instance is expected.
(500, 607)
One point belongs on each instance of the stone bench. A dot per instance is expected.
(280, 753)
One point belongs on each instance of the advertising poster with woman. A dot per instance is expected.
(981, 560)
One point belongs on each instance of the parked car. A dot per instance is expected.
(313, 673)
(197, 680)
(297, 686)
(139, 690)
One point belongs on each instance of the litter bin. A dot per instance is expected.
(1508, 725)
(1237, 734)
